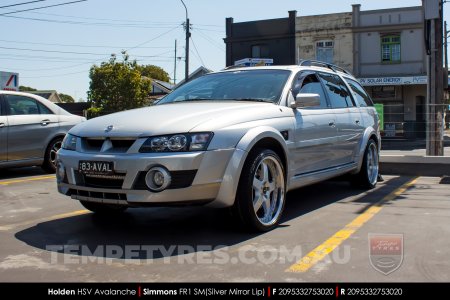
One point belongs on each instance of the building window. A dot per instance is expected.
(260, 51)
(390, 48)
(324, 51)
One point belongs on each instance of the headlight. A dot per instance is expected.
(69, 142)
(177, 142)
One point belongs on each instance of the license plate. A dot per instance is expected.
(96, 167)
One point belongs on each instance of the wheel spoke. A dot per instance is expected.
(267, 211)
(258, 201)
(265, 172)
(272, 186)
(257, 184)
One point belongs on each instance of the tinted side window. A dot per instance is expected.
(21, 105)
(337, 91)
(310, 84)
(360, 93)
(43, 110)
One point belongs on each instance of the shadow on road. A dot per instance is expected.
(187, 228)
(14, 173)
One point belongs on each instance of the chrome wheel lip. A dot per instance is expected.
(53, 152)
(372, 164)
(268, 191)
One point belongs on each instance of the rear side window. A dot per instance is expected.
(360, 93)
(337, 92)
(43, 110)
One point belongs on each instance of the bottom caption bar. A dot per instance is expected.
(259, 290)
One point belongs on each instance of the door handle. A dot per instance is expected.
(357, 121)
(45, 122)
(2, 125)
(332, 124)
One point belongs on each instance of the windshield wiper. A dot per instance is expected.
(253, 99)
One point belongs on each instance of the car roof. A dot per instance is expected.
(53, 107)
(289, 68)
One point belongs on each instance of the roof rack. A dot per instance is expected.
(317, 63)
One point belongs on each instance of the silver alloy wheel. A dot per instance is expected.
(372, 163)
(268, 191)
(54, 148)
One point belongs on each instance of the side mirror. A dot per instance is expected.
(304, 100)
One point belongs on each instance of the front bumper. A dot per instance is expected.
(208, 166)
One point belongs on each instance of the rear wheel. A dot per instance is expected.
(368, 175)
(101, 208)
(49, 165)
(261, 192)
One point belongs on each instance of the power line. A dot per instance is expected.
(211, 41)
(72, 52)
(85, 23)
(42, 7)
(198, 54)
(80, 46)
(23, 3)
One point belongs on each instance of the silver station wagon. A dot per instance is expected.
(238, 138)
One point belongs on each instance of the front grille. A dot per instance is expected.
(80, 194)
(104, 182)
(119, 145)
(180, 179)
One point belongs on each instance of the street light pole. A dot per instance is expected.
(188, 35)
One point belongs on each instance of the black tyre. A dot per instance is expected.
(49, 164)
(368, 175)
(261, 193)
(101, 208)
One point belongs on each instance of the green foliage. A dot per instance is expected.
(93, 112)
(23, 88)
(66, 98)
(154, 72)
(117, 85)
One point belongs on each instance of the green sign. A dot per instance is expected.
(380, 111)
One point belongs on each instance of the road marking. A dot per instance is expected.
(26, 180)
(46, 219)
(321, 251)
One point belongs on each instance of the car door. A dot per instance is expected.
(348, 118)
(3, 132)
(29, 132)
(315, 132)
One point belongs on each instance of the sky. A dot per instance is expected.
(53, 48)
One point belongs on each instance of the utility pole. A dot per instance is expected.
(175, 65)
(433, 16)
(188, 35)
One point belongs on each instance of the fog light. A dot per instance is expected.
(157, 179)
(60, 172)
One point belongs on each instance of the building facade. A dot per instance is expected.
(326, 38)
(390, 61)
(266, 39)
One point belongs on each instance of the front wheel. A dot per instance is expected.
(368, 176)
(261, 192)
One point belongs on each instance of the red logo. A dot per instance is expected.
(386, 252)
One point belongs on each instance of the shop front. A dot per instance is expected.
(400, 101)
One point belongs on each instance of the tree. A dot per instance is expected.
(116, 86)
(154, 72)
(66, 98)
(23, 88)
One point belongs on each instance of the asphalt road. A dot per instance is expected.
(324, 236)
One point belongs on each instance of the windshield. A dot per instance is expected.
(248, 85)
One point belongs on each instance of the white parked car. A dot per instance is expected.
(238, 138)
(31, 130)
